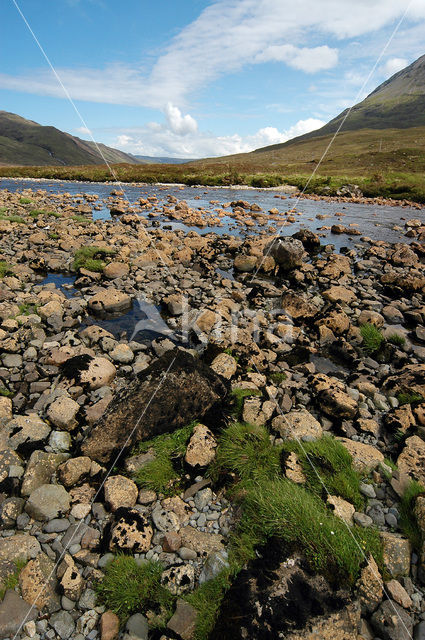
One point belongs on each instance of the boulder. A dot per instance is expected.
(38, 583)
(24, 433)
(392, 622)
(62, 413)
(13, 611)
(370, 587)
(74, 470)
(288, 253)
(47, 502)
(332, 398)
(19, 547)
(297, 425)
(131, 531)
(95, 372)
(201, 448)
(396, 554)
(365, 457)
(184, 388)
(40, 468)
(411, 461)
(110, 301)
(120, 492)
(225, 365)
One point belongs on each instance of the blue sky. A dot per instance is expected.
(196, 78)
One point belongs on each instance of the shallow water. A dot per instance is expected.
(375, 221)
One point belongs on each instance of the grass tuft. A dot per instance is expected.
(372, 337)
(91, 258)
(12, 580)
(128, 588)
(397, 339)
(408, 522)
(409, 398)
(238, 396)
(25, 200)
(5, 269)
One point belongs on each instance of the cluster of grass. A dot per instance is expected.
(231, 353)
(12, 218)
(12, 580)
(408, 523)
(27, 309)
(5, 269)
(237, 398)
(327, 463)
(163, 473)
(409, 398)
(25, 200)
(277, 378)
(80, 218)
(128, 588)
(53, 235)
(5, 393)
(397, 339)
(91, 258)
(372, 337)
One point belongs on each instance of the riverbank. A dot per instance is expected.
(288, 354)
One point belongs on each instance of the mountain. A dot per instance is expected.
(162, 160)
(24, 142)
(397, 103)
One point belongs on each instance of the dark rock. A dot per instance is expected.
(287, 252)
(310, 240)
(182, 388)
(14, 612)
(183, 622)
(392, 622)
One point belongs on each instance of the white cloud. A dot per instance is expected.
(227, 35)
(83, 130)
(160, 140)
(305, 59)
(393, 65)
(178, 123)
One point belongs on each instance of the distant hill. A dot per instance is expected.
(24, 142)
(162, 160)
(397, 103)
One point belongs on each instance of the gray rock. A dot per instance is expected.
(215, 563)
(391, 520)
(48, 502)
(57, 525)
(13, 612)
(137, 626)
(377, 514)
(187, 554)
(392, 622)
(362, 519)
(63, 623)
(419, 631)
(287, 252)
(203, 498)
(367, 490)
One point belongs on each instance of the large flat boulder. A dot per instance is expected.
(175, 390)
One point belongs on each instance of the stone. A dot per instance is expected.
(201, 542)
(13, 612)
(396, 554)
(398, 593)
(120, 492)
(74, 470)
(294, 470)
(187, 392)
(60, 441)
(332, 398)
(165, 520)
(216, 562)
(24, 433)
(409, 379)
(183, 622)
(19, 547)
(341, 508)
(122, 354)
(362, 520)
(62, 413)
(131, 531)
(71, 581)
(10, 509)
(87, 623)
(100, 373)
(38, 583)
(8, 460)
(370, 587)
(244, 263)
(109, 625)
(298, 307)
(5, 408)
(63, 623)
(171, 542)
(411, 461)
(179, 579)
(297, 425)
(365, 456)
(47, 502)
(116, 270)
(392, 622)
(201, 447)
(338, 293)
(137, 626)
(39, 471)
(109, 300)
(288, 253)
(224, 365)
(257, 412)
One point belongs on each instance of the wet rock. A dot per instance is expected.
(201, 448)
(187, 392)
(130, 532)
(47, 502)
(120, 492)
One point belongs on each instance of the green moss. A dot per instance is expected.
(80, 218)
(128, 588)
(25, 201)
(237, 396)
(27, 309)
(372, 338)
(207, 599)
(53, 235)
(397, 339)
(408, 522)
(6, 269)
(12, 580)
(11, 218)
(6, 393)
(164, 472)
(91, 258)
(409, 398)
(326, 462)
(278, 377)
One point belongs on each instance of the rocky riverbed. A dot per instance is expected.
(130, 351)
